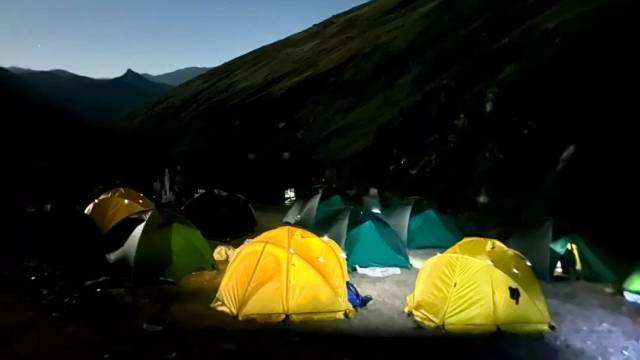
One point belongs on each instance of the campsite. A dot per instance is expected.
(348, 179)
(163, 289)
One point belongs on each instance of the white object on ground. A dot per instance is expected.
(378, 271)
(631, 296)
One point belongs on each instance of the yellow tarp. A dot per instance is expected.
(286, 273)
(479, 286)
(222, 255)
(115, 205)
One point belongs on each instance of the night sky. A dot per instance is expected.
(104, 38)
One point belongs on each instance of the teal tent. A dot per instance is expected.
(330, 207)
(432, 229)
(592, 263)
(534, 244)
(375, 244)
(165, 245)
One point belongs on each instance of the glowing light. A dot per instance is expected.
(126, 201)
(140, 201)
(33, 278)
(376, 210)
(289, 196)
(558, 269)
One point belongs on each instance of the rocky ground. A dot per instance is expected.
(42, 316)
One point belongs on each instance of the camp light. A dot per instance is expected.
(289, 196)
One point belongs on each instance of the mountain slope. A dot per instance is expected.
(177, 77)
(99, 101)
(50, 154)
(514, 100)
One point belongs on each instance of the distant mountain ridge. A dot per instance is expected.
(179, 76)
(97, 101)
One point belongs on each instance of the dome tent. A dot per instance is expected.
(220, 214)
(631, 286)
(595, 264)
(164, 245)
(535, 244)
(285, 273)
(479, 286)
(329, 207)
(335, 226)
(589, 261)
(419, 225)
(432, 229)
(303, 213)
(115, 205)
(129, 194)
(375, 244)
(328, 217)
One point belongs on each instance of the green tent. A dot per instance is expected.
(375, 244)
(594, 264)
(632, 284)
(432, 229)
(534, 244)
(165, 245)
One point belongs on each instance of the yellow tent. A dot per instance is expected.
(129, 194)
(479, 286)
(115, 205)
(286, 273)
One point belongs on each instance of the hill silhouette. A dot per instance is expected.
(98, 101)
